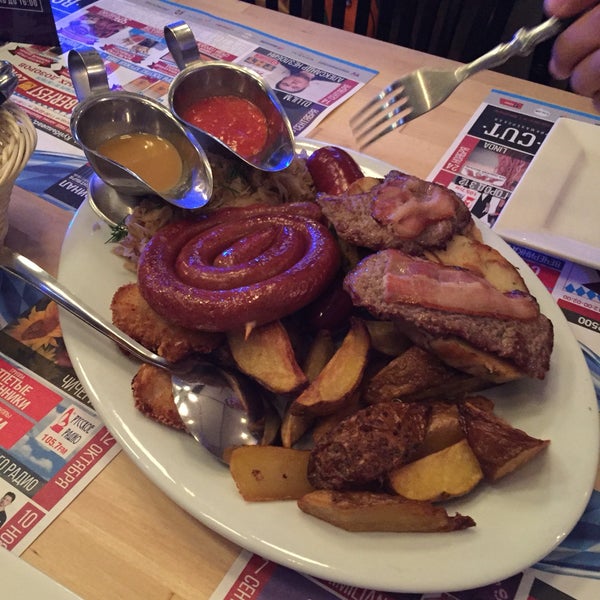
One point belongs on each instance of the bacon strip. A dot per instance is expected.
(411, 280)
(410, 205)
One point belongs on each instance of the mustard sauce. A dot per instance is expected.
(150, 157)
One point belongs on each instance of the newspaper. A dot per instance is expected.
(251, 576)
(52, 443)
(137, 60)
(484, 166)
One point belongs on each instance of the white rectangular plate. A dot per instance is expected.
(555, 207)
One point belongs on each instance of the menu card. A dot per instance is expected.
(484, 166)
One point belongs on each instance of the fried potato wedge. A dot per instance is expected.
(340, 376)
(466, 252)
(266, 355)
(367, 511)
(319, 354)
(482, 365)
(450, 472)
(362, 185)
(419, 375)
(153, 396)
(443, 430)
(500, 448)
(134, 316)
(322, 348)
(386, 338)
(293, 427)
(263, 473)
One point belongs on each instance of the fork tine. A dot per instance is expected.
(392, 87)
(391, 101)
(401, 121)
(399, 104)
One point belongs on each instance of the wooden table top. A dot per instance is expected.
(122, 537)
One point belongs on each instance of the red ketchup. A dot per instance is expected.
(237, 122)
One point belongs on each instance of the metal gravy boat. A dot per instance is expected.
(197, 80)
(103, 114)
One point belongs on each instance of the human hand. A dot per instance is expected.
(576, 51)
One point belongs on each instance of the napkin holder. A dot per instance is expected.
(17, 143)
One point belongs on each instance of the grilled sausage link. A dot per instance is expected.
(238, 265)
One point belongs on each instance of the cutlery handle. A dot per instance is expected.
(28, 271)
(521, 44)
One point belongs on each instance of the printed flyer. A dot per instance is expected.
(52, 443)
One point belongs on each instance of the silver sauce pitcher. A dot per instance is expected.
(103, 114)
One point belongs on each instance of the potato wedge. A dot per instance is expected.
(482, 259)
(319, 354)
(419, 375)
(443, 430)
(266, 355)
(362, 185)
(264, 473)
(450, 472)
(482, 365)
(386, 338)
(293, 427)
(444, 427)
(340, 376)
(367, 511)
(500, 448)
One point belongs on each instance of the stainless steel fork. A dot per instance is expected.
(420, 91)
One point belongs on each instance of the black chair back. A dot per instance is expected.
(458, 29)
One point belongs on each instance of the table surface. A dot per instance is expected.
(122, 537)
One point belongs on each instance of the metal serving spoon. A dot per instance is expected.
(220, 410)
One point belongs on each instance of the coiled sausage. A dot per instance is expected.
(238, 265)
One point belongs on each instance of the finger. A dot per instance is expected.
(575, 43)
(567, 8)
(585, 79)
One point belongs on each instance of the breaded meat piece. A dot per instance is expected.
(153, 396)
(133, 315)
(402, 212)
(362, 448)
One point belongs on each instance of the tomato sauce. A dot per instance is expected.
(236, 121)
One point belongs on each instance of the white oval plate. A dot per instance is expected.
(519, 520)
